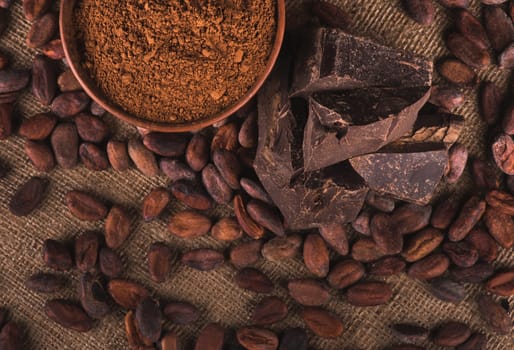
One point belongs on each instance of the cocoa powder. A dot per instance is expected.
(177, 61)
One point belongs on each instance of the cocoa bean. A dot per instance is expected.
(380, 202)
(142, 157)
(444, 213)
(384, 233)
(430, 267)
(247, 136)
(110, 262)
(29, 196)
(489, 102)
(447, 290)
(93, 157)
(255, 190)
(159, 258)
(33, 9)
(500, 227)
(154, 203)
(345, 273)
(485, 175)
(84, 206)
(65, 144)
(294, 339)
(227, 229)
(149, 319)
(166, 145)
(477, 273)
(246, 254)
(134, 338)
(448, 97)
(42, 30)
(67, 82)
(266, 216)
(365, 250)
(387, 266)
(410, 218)
(335, 235)
(118, 155)
(468, 217)
(6, 122)
(44, 79)
(228, 165)
(471, 28)
(117, 227)
(458, 158)
(191, 195)
(41, 155)
(456, 71)
(468, 53)
(421, 11)
(499, 27)
(308, 292)
(86, 251)
(253, 338)
(45, 283)
(197, 152)
(484, 244)
(369, 294)
(461, 253)
(203, 259)
(189, 224)
(322, 323)
(176, 170)
(422, 244)
(181, 313)
(502, 283)
(13, 80)
(362, 222)
(11, 336)
(410, 333)
(503, 153)
(93, 296)
(476, 341)
(57, 255)
(268, 311)
(68, 315)
(91, 128)
(506, 58)
(494, 315)
(126, 293)
(315, 255)
(252, 229)
(253, 280)
(211, 337)
(451, 334)
(281, 248)
(225, 138)
(501, 201)
(37, 127)
(53, 49)
(215, 185)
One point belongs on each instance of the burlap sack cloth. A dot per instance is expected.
(218, 298)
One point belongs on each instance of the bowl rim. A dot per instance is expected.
(67, 33)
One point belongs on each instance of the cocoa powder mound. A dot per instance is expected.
(175, 61)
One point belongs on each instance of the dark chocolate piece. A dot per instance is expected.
(331, 195)
(331, 59)
(410, 172)
(368, 120)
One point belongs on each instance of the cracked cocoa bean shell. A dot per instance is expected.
(225, 138)
(134, 338)
(86, 250)
(53, 49)
(252, 228)
(447, 97)
(38, 127)
(503, 153)
(84, 206)
(68, 315)
(29, 196)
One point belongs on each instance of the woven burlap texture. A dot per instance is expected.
(214, 292)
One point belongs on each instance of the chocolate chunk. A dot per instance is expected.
(408, 172)
(331, 59)
(343, 124)
(306, 199)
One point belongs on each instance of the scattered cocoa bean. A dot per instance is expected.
(421, 11)
(149, 319)
(68, 314)
(501, 201)
(165, 145)
(227, 229)
(143, 158)
(366, 250)
(126, 293)
(93, 157)
(191, 194)
(154, 203)
(133, 335)
(484, 244)
(33, 9)
(197, 152)
(45, 283)
(57, 255)
(308, 292)
(430, 267)
(444, 213)
(472, 29)
(281, 248)
(485, 175)
(499, 27)
(159, 259)
(266, 216)
(44, 79)
(65, 144)
(91, 128)
(369, 294)
(451, 334)
(268, 311)
(387, 266)
(410, 218)
(86, 250)
(246, 254)
(215, 185)
(93, 296)
(84, 206)
(448, 97)
(502, 283)
(294, 339)
(53, 49)
(489, 102)
(447, 290)
(181, 313)
(118, 155)
(13, 80)
(226, 137)
(468, 53)
(362, 223)
(458, 158)
(461, 253)
(410, 333)
(67, 82)
(176, 170)
(211, 337)
(253, 280)
(252, 229)
(42, 30)
(29, 196)
(117, 227)
(506, 58)
(41, 155)
(456, 72)
(503, 153)
(345, 273)
(477, 273)
(316, 255)
(38, 127)
(476, 341)
(247, 136)
(203, 259)
(468, 217)
(494, 315)
(189, 224)
(110, 262)
(500, 227)
(388, 239)
(6, 120)
(322, 323)
(255, 190)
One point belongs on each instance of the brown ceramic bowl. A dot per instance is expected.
(88, 84)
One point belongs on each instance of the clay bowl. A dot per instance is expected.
(88, 84)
